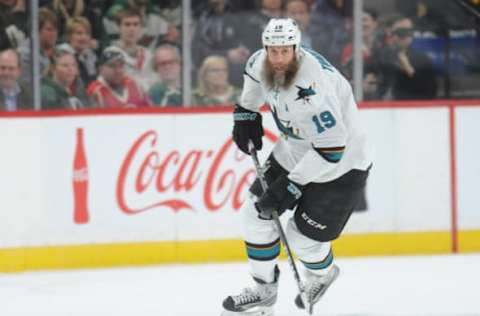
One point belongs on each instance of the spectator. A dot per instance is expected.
(113, 88)
(153, 25)
(406, 73)
(4, 39)
(64, 88)
(138, 58)
(369, 27)
(375, 81)
(256, 22)
(13, 95)
(78, 35)
(299, 10)
(218, 33)
(213, 85)
(173, 35)
(14, 20)
(332, 19)
(168, 65)
(48, 35)
(370, 86)
(170, 10)
(383, 35)
(98, 9)
(67, 9)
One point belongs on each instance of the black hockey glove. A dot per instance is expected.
(247, 126)
(282, 194)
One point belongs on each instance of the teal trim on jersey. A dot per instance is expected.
(332, 157)
(325, 263)
(282, 128)
(322, 60)
(264, 253)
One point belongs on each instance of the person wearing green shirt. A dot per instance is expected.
(168, 65)
(64, 88)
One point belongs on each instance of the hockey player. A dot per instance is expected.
(317, 168)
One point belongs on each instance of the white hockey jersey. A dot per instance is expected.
(317, 111)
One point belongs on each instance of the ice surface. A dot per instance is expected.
(431, 285)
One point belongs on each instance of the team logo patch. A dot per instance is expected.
(304, 93)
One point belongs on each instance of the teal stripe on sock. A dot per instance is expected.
(320, 265)
(260, 253)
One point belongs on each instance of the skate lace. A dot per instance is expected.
(315, 287)
(247, 296)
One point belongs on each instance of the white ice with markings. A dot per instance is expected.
(426, 285)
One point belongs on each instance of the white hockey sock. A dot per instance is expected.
(315, 255)
(262, 242)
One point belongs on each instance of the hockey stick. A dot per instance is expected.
(276, 219)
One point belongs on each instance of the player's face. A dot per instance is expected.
(280, 57)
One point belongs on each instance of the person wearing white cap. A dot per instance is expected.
(317, 168)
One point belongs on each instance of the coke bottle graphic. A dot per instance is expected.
(80, 182)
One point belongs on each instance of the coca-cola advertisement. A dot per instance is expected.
(158, 181)
(150, 178)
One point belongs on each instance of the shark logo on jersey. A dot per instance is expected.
(304, 93)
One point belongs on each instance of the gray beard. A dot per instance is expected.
(275, 80)
(279, 80)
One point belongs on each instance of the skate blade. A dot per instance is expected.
(255, 311)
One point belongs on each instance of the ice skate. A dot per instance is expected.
(255, 301)
(315, 287)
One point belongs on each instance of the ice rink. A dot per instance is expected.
(430, 285)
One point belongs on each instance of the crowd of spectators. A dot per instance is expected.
(128, 53)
